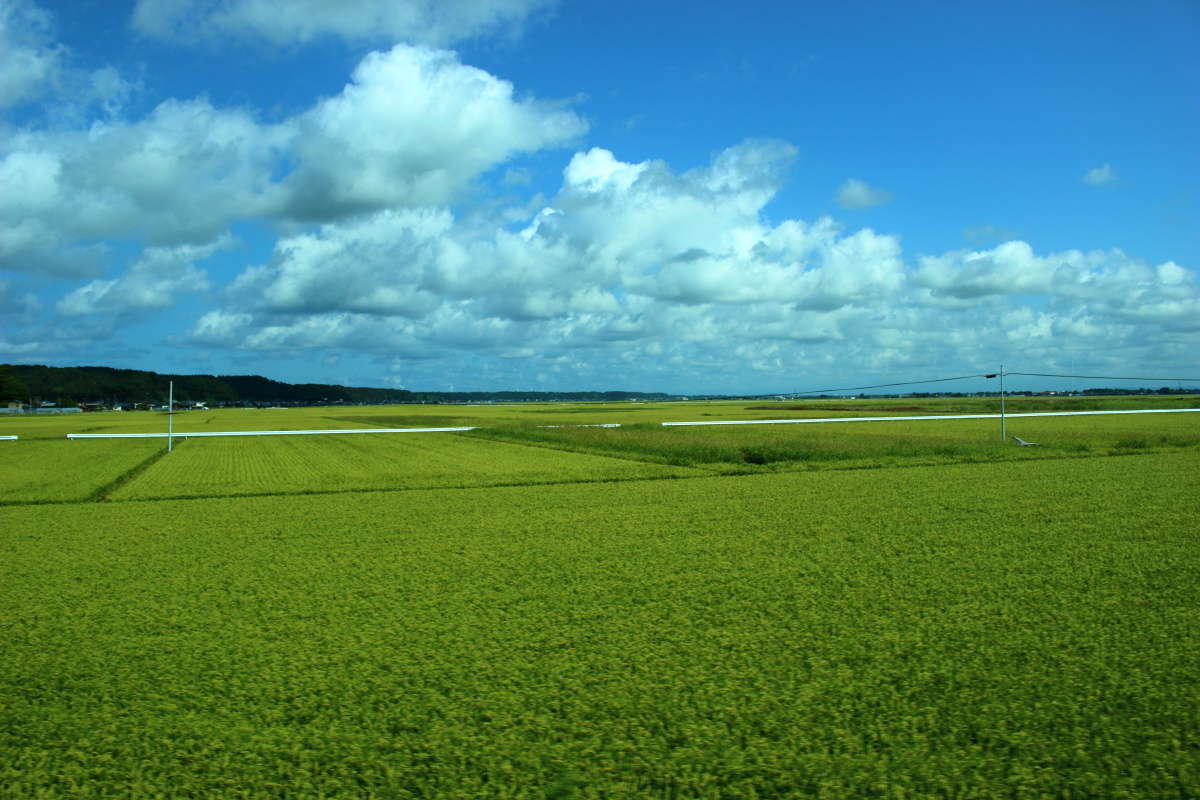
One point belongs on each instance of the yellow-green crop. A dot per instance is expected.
(1005, 629)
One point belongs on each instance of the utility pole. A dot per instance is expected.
(170, 415)
(1003, 432)
(1000, 375)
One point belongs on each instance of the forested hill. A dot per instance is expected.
(72, 385)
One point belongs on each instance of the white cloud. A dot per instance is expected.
(436, 22)
(38, 72)
(629, 253)
(1008, 269)
(597, 170)
(19, 351)
(221, 328)
(1106, 284)
(35, 246)
(637, 270)
(414, 127)
(375, 265)
(154, 281)
(632, 219)
(108, 90)
(32, 62)
(182, 174)
(1100, 175)
(855, 193)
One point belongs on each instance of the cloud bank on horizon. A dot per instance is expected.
(475, 195)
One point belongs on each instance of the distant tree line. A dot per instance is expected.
(74, 385)
(32, 384)
(1160, 390)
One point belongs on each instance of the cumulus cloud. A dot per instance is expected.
(182, 174)
(855, 193)
(1100, 175)
(628, 255)
(1008, 269)
(376, 265)
(436, 22)
(413, 127)
(636, 269)
(1082, 287)
(154, 281)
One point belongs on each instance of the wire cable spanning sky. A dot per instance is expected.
(1124, 379)
(696, 197)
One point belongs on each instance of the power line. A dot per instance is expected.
(988, 375)
(1098, 377)
(902, 383)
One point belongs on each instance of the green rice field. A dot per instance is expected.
(901, 609)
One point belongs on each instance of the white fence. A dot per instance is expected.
(936, 416)
(257, 433)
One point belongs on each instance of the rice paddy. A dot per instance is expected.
(853, 610)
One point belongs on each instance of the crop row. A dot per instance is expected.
(60, 470)
(216, 467)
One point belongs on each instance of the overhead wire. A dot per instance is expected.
(1097, 377)
(887, 385)
(986, 375)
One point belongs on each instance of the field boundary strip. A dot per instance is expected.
(933, 417)
(101, 493)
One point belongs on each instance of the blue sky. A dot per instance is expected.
(524, 194)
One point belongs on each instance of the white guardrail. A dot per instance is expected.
(936, 416)
(8, 438)
(198, 434)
